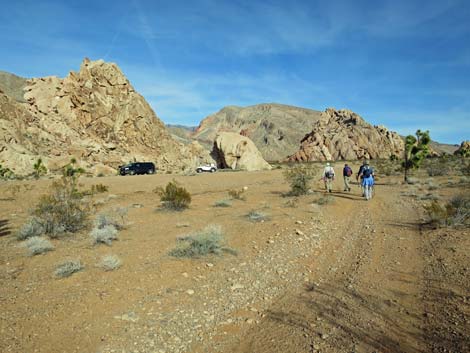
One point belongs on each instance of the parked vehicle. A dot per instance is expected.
(207, 168)
(137, 168)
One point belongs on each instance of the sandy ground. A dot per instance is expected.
(345, 276)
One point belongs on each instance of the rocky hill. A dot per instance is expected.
(344, 135)
(13, 86)
(274, 128)
(94, 115)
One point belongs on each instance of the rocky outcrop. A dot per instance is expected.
(344, 135)
(464, 149)
(94, 115)
(274, 128)
(234, 151)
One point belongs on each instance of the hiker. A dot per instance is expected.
(347, 172)
(366, 173)
(328, 176)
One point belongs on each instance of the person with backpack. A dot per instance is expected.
(328, 177)
(347, 172)
(366, 173)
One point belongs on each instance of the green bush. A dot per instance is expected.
(39, 169)
(208, 241)
(299, 178)
(63, 209)
(6, 173)
(174, 196)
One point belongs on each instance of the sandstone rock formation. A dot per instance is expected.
(234, 151)
(344, 135)
(464, 149)
(94, 115)
(274, 128)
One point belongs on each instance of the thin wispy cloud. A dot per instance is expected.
(395, 62)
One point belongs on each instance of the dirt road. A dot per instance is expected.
(335, 274)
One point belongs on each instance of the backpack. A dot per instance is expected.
(329, 174)
(348, 171)
(366, 172)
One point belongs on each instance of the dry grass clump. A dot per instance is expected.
(257, 216)
(68, 268)
(38, 245)
(116, 217)
(324, 200)
(299, 177)
(237, 194)
(174, 197)
(223, 203)
(31, 228)
(104, 235)
(110, 263)
(208, 241)
(454, 213)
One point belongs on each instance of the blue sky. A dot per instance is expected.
(403, 64)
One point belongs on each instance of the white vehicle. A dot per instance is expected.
(206, 168)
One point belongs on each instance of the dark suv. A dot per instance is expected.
(137, 168)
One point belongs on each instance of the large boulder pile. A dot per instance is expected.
(235, 151)
(93, 115)
(464, 149)
(344, 135)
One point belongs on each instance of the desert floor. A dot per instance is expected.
(336, 274)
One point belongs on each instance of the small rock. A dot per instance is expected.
(209, 264)
(190, 292)
(298, 222)
(236, 286)
(299, 232)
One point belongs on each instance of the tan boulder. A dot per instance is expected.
(344, 135)
(464, 149)
(238, 152)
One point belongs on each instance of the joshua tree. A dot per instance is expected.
(416, 149)
(39, 169)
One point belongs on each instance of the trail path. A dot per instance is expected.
(366, 289)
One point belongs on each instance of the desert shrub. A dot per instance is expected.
(38, 245)
(68, 268)
(222, 203)
(237, 194)
(465, 168)
(39, 169)
(257, 216)
(324, 200)
(174, 196)
(104, 235)
(72, 170)
(99, 189)
(299, 178)
(63, 209)
(454, 213)
(117, 218)
(412, 181)
(32, 228)
(428, 196)
(6, 173)
(208, 241)
(110, 263)
(293, 203)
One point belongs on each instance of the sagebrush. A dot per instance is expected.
(68, 268)
(38, 245)
(110, 263)
(208, 241)
(454, 213)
